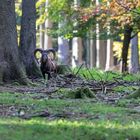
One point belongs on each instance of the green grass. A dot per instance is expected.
(41, 129)
(96, 74)
(72, 119)
(88, 120)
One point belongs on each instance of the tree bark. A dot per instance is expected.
(134, 59)
(126, 42)
(109, 54)
(102, 54)
(77, 51)
(63, 51)
(92, 45)
(28, 37)
(48, 43)
(42, 35)
(77, 46)
(47, 39)
(10, 66)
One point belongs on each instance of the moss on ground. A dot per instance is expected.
(80, 93)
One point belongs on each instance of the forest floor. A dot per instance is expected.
(70, 108)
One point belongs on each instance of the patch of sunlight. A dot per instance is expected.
(132, 125)
(98, 124)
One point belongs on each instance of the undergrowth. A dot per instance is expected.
(74, 114)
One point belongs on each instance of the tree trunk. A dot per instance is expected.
(42, 29)
(48, 39)
(77, 46)
(86, 51)
(48, 24)
(126, 42)
(109, 54)
(134, 60)
(77, 51)
(42, 35)
(63, 46)
(10, 66)
(63, 51)
(101, 54)
(92, 45)
(109, 46)
(28, 37)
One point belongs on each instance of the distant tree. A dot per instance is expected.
(10, 66)
(77, 46)
(41, 25)
(123, 18)
(92, 52)
(63, 51)
(28, 37)
(48, 25)
(126, 42)
(126, 14)
(134, 59)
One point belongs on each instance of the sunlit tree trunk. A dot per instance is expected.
(97, 45)
(63, 51)
(77, 47)
(63, 46)
(28, 37)
(77, 51)
(10, 66)
(48, 39)
(134, 59)
(109, 46)
(100, 50)
(42, 35)
(109, 55)
(41, 29)
(100, 47)
(99, 53)
(48, 25)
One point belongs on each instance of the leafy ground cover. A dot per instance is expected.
(33, 113)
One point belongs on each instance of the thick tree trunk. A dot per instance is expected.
(134, 60)
(126, 42)
(10, 66)
(28, 37)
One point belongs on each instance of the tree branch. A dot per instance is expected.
(126, 7)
